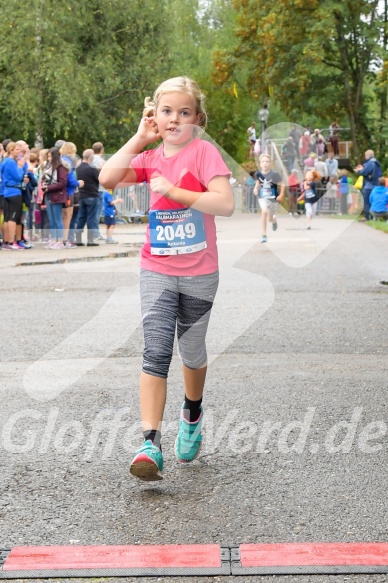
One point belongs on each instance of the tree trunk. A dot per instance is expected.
(353, 132)
(384, 92)
(38, 82)
(353, 78)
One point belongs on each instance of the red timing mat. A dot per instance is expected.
(112, 557)
(42, 562)
(115, 560)
(287, 554)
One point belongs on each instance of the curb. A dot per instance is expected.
(132, 253)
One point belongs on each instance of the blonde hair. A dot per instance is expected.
(43, 154)
(42, 159)
(178, 85)
(264, 156)
(68, 149)
(10, 147)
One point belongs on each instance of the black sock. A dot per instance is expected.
(153, 435)
(192, 410)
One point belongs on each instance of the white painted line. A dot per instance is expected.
(271, 240)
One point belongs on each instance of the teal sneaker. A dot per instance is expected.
(147, 464)
(275, 225)
(189, 439)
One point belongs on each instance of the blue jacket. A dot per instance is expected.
(379, 199)
(72, 183)
(2, 166)
(1, 178)
(371, 171)
(344, 185)
(12, 177)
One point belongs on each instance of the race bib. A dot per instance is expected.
(309, 194)
(266, 192)
(176, 232)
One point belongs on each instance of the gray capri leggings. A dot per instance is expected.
(175, 302)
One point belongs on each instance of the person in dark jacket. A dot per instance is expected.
(289, 153)
(371, 171)
(54, 186)
(88, 197)
(27, 198)
(70, 160)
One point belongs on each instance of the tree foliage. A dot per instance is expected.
(200, 30)
(78, 70)
(81, 71)
(309, 55)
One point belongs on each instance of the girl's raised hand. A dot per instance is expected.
(148, 130)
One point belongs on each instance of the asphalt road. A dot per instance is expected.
(296, 428)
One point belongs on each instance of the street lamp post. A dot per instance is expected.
(263, 114)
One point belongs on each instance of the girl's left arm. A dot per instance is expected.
(217, 200)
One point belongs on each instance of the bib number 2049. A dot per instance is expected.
(171, 232)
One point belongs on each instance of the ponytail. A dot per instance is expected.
(149, 107)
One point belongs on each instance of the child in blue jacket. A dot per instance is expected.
(379, 200)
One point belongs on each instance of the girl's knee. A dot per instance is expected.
(157, 362)
(156, 368)
(196, 361)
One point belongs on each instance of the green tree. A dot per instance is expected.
(382, 90)
(310, 56)
(231, 106)
(198, 31)
(79, 70)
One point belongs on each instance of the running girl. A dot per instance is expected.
(189, 184)
(310, 195)
(267, 187)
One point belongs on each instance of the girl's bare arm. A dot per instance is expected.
(117, 170)
(217, 200)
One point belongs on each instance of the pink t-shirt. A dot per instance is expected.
(191, 168)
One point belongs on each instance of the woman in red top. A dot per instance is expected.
(293, 191)
(304, 144)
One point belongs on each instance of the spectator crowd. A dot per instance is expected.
(51, 195)
(312, 164)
